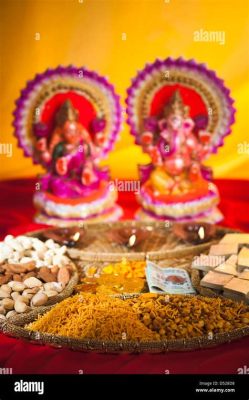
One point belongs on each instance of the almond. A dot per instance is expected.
(55, 269)
(2, 310)
(46, 275)
(63, 275)
(5, 278)
(17, 268)
(28, 275)
(29, 266)
(17, 277)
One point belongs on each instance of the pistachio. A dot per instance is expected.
(24, 299)
(39, 299)
(31, 291)
(4, 294)
(6, 288)
(8, 304)
(2, 310)
(32, 282)
(51, 293)
(16, 286)
(20, 306)
(15, 295)
(58, 286)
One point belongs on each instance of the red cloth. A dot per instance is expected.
(16, 213)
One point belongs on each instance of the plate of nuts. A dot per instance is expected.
(33, 273)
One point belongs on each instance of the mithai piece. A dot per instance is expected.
(235, 238)
(243, 259)
(229, 266)
(237, 286)
(223, 249)
(231, 256)
(179, 112)
(215, 280)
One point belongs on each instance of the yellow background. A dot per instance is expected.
(89, 33)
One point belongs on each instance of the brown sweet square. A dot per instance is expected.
(237, 285)
(244, 274)
(215, 280)
(236, 238)
(243, 258)
(223, 249)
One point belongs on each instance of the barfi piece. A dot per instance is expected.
(237, 286)
(223, 249)
(244, 274)
(234, 296)
(215, 280)
(243, 259)
(235, 238)
(229, 266)
(206, 262)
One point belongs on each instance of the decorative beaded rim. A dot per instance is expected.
(102, 249)
(94, 87)
(189, 74)
(18, 330)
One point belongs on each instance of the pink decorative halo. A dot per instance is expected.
(94, 97)
(209, 101)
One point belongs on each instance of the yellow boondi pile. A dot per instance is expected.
(177, 316)
(93, 317)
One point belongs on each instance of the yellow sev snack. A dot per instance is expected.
(93, 317)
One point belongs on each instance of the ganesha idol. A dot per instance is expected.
(179, 113)
(67, 120)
